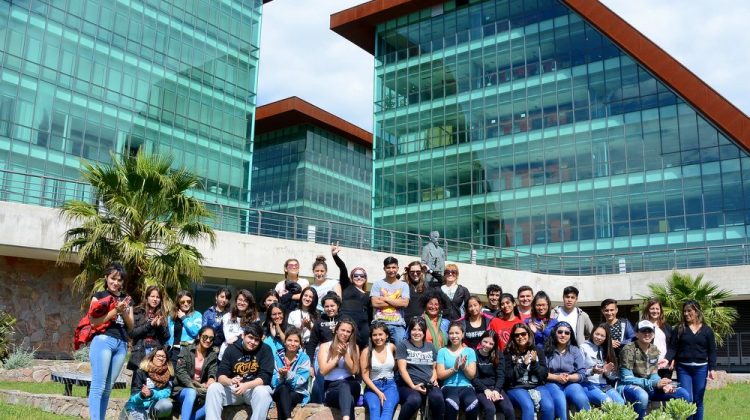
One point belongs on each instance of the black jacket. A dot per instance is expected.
(322, 332)
(453, 306)
(518, 375)
(185, 368)
(142, 328)
(489, 376)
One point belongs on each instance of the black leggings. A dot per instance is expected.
(286, 399)
(490, 408)
(457, 397)
(342, 394)
(411, 400)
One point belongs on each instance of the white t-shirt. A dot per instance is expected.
(660, 341)
(295, 318)
(323, 290)
(571, 318)
(232, 330)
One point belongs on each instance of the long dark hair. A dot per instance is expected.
(352, 344)
(512, 348)
(607, 350)
(251, 313)
(176, 308)
(380, 325)
(645, 314)
(694, 305)
(228, 294)
(539, 296)
(419, 322)
(550, 344)
(313, 309)
(420, 285)
(494, 353)
(267, 322)
(512, 298)
(269, 292)
(203, 329)
(144, 303)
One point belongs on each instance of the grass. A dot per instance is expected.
(15, 412)
(732, 402)
(55, 388)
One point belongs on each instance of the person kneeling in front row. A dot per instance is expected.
(245, 373)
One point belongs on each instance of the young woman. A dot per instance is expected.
(567, 369)
(475, 322)
(268, 298)
(601, 367)
(415, 272)
(456, 367)
(322, 284)
(417, 380)
(488, 383)
(307, 315)
(290, 289)
(378, 365)
(243, 312)
(339, 365)
(291, 375)
(526, 374)
(212, 316)
(540, 322)
(437, 327)
(653, 311)
(149, 327)
(107, 350)
(355, 300)
(274, 328)
(456, 296)
(694, 355)
(323, 332)
(152, 386)
(196, 371)
(508, 316)
(183, 324)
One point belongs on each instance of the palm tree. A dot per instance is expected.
(143, 218)
(682, 287)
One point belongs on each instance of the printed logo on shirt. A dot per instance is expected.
(246, 367)
(389, 313)
(419, 357)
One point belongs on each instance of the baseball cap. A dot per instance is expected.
(646, 325)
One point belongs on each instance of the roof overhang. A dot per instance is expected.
(358, 25)
(295, 111)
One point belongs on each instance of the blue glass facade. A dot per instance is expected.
(87, 79)
(517, 124)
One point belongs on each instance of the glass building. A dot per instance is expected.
(524, 125)
(85, 80)
(310, 163)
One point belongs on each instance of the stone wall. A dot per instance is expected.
(39, 294)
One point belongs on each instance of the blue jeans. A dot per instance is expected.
(561, 394)
(693, 379)
(107, 355)
(640, 397)
(398, 333)
(520, 398)
(385, 412)
(597, 396)
(187, 399)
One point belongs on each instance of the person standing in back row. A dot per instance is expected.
(389, 297)
(573, 315)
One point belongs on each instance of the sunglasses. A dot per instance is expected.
(184, 301)
(207, 337)
(292, 266)
(563, 332)
(359, 275)
(450, 272)
(521, 334)
(415, 273)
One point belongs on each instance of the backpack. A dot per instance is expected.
(84, 331)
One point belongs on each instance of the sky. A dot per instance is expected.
(301, 56)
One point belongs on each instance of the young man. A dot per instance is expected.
(573, 315)
(621, 330)
(493, 299)
(639, 380)
(525, 296)
(389, 297)
(245, 373)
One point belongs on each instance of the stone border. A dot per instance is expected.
(59, 404)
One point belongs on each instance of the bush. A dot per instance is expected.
(7, 330)
(608, 411)
(82, 354)
(20, 358)
(677, 409)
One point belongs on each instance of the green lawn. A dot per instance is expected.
(15, 412)
(56, 388)
(732, 402)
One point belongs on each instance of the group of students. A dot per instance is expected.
(422, 342)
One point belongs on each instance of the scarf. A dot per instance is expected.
(159, 374)
(438, 336)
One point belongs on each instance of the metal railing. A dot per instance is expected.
(52, 192)
(734, 355)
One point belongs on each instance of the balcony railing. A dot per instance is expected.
(52, 192)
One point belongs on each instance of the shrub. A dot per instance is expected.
(82, 354)
(608, 411)
(20, 358)
(7, 330)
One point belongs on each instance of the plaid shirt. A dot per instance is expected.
(642, 364)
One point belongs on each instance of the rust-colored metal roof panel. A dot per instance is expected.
(295, 111)
(358, 24)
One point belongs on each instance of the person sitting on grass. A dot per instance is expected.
(152, 386)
